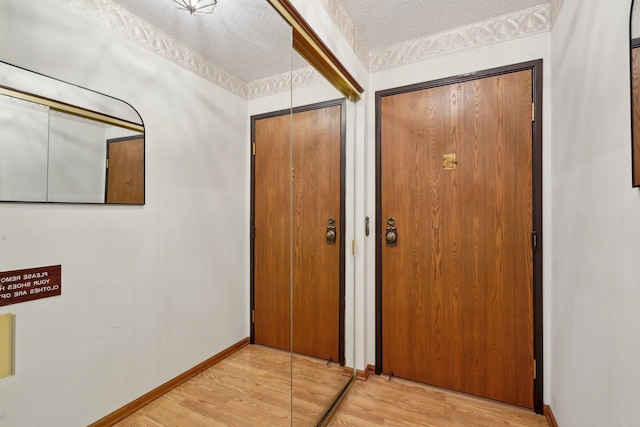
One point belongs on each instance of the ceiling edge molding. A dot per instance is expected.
(298, 79)
(556, 6)
(120, 21)
(343, 21)
(502, 28)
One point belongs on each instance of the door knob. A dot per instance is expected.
(331, 231)
(391, 234)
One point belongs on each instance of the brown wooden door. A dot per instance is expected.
(457, 308)
(272, 242)
(293, 261)
(125, 171)
(316, 263)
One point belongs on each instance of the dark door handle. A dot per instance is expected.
(391, 234)
(331, 231)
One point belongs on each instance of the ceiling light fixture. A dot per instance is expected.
(196, 7)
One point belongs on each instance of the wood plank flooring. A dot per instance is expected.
(252, 388)
(399, 402)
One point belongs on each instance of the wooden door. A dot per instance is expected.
(272, 232)
(125, 171)
(316, 263)
(456, 290)
(293, 262)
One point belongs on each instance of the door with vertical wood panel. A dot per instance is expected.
(457, 287)
(299, 250)
(272, 285)
(316, 263)
(125, 171)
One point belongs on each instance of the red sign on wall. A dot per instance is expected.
(26, 285)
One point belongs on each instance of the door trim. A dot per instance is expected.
(536, 127)
(343, 152)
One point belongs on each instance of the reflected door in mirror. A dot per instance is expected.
(125, 177)
(317, 206)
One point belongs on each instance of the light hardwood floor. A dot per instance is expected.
(399, 402)
(252, 388)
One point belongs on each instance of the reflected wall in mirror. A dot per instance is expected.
(635, 90)
(55, 141)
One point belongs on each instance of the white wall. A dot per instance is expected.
(596, 227)
(148, 291)
(507, 53)
(77, 159)
(23, 150)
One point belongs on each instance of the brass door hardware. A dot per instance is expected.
(449, 162)
(331, 231)
(391, 234)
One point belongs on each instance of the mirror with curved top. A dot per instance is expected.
(63, 143)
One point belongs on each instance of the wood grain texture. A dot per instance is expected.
(252, 387)
(272, 279)
(635, 108)
(399, 402)
(316, 264)
(457, 304)
(362, 375)
(548, 414)
(312, 263)
(160, 391)
(125, 174)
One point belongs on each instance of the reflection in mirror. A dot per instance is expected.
(635, 91)
(300, 218)
(320, 216)
(53, 151)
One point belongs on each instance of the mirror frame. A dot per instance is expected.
(309, 45)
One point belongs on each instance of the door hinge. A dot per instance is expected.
(534, 240)
(253, 149)
(353, 247)
(293, 174)
(253, 233)
(533, 112)
(107, 163)
(253, 316)
(535, 369)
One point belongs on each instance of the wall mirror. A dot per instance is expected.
(322, 124)
(302, 273)
(63, 143)
(634, 30)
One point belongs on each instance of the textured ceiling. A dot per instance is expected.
(385, 22)
(251, 41)
(244, 37)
